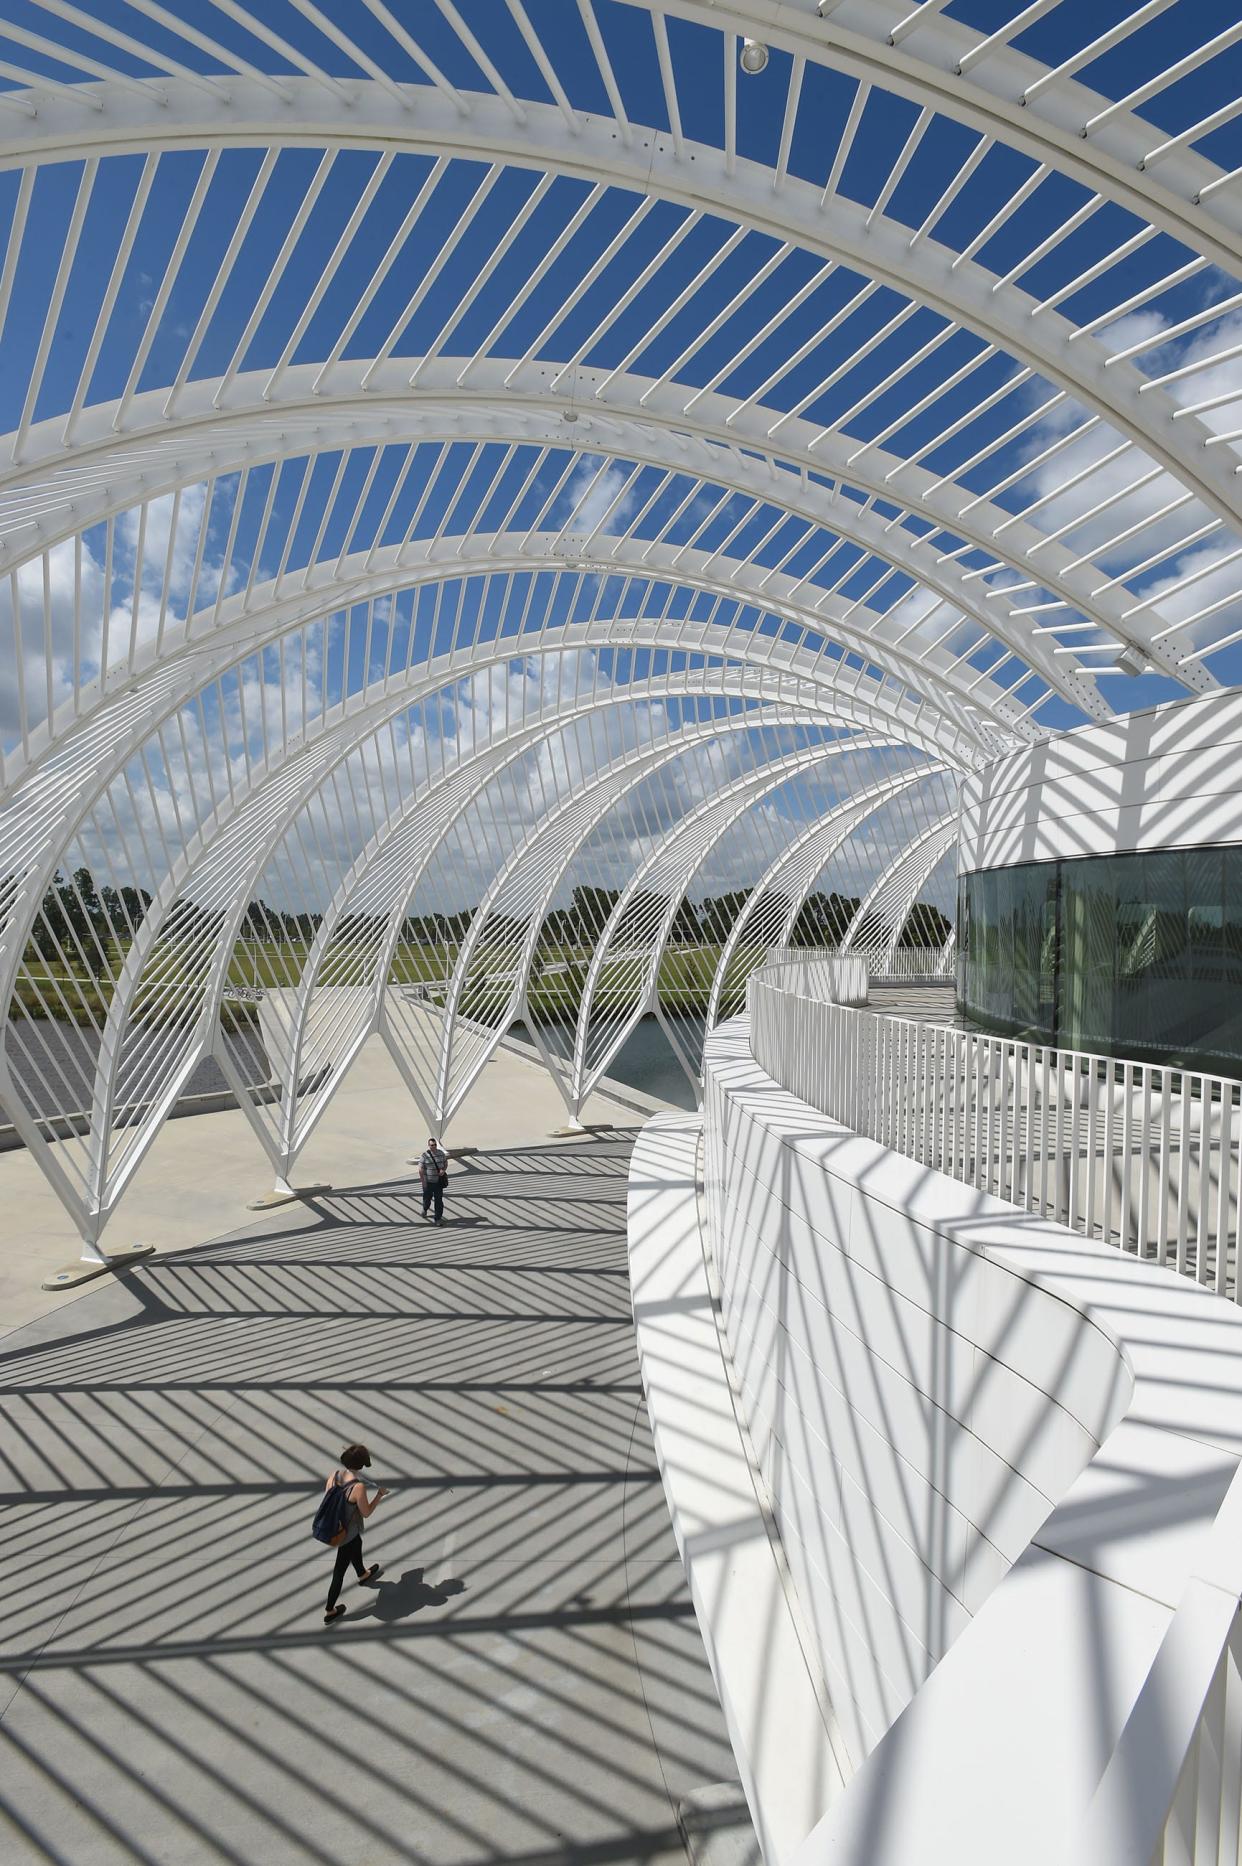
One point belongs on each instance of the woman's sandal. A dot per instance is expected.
(372, 1574)
(333, 1613)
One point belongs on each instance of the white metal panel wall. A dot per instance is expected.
(916, 1409)
(1163, 779)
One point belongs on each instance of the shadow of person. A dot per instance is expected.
(397, 1600)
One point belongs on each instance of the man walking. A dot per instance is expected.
(433, 1172)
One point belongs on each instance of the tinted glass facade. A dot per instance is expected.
(1122, 955)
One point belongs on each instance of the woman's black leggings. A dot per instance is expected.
(348, 1552)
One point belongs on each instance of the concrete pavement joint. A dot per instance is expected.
(563, 1704)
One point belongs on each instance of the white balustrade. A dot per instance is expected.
(917, 962)
(1145, 1157)
(825, 974)
(908, 963)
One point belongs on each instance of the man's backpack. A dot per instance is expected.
(331, 1524)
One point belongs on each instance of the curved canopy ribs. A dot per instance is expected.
(649, 484)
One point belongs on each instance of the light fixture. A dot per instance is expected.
(754, 56)
(1131, 661)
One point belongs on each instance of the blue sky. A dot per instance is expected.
(696, 53)
(774, 331)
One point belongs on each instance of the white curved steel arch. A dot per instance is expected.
(420, 864)
(41, 821)
(566, 828)
(695, 176)
(689, 844)
(387, 850)
(843, 661)
(253, 824)
(250, 621)
(964, 730)
(893, 894)
(218, 864)
(46, 819)
(908, 51)
(807, 856)
(930, 669)
(917, 873)
(92, 1201)
(385, 875)
(104, 738)
(40, 818)
(222, 864)
(636, 419)
(92, 738)
(926, 65)
(37, 881)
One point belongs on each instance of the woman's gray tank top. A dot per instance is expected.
(353, 1521)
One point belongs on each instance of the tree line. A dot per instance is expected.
(82, 923)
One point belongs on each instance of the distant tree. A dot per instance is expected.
(592, 907)
(719, 913)
(73, 925)
(927, 926)
(641, 915)
(501, 929)
(824, 919)
(257, 921)
(123, 909)
(686, 927)
(560, 927)
(423, 929)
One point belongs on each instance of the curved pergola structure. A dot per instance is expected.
(503, 509)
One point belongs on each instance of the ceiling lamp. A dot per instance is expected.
(754, 56)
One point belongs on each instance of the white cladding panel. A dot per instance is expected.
(1163, 779)
(916, 1409)
(770, 1689)
(1002, 1459)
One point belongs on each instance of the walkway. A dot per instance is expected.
(923, 1003)
(526, 1684)
(193, 1186)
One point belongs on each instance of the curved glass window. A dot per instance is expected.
(1119, 955)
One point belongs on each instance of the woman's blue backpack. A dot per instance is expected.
(331, 1523)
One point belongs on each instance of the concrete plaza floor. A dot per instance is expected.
(194, 1184)
(526, 1683)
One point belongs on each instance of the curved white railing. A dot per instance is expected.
(917, 963)
(1090, 1699)
(827, 976)
(913, 964)
(1144, 1157)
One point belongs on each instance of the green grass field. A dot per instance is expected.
(70, 994)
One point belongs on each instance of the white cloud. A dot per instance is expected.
(1080, 479)
(26, 666)
(158, 535)
(593, 487)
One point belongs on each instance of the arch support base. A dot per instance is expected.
(283, 1193)
(93, 1263)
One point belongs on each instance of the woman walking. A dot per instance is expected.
(358, 1507)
